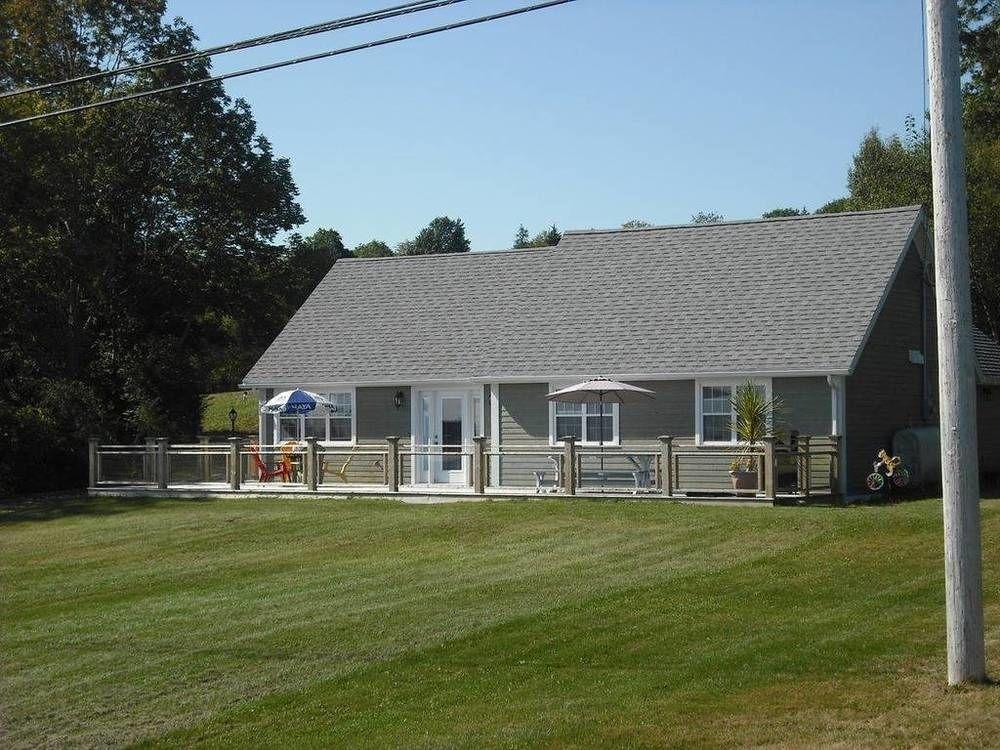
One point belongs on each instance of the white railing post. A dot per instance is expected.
(770, 483)
(206, 458)
(569, 462)
(162, 462)
(235, 463)
(312, 464)
(479, 465)
(836, 467)
(392, 462)
(149, 461)
(805, 465)
(665, 474)
(93, 457)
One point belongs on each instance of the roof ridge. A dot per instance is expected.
(477, 253)
(775, 219)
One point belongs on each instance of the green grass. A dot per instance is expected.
(215, 412)
(506, 624)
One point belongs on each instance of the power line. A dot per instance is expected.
(293, 61)
(279, 36)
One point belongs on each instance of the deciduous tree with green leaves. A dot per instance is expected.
(895, 170)
(777, 213)
(373, 249)
(137, 241)
(442, 235)
(636, 224)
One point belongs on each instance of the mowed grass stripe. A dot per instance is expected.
(628, 660)
(174, 646)
(309, 594)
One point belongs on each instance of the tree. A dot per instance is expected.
(837, 205)
(636, 224)
(545, 238)
(896, 171)
(707, 217)
(136, 240)
(777, 213)
(442, 235)
(373, 249)
(309, 260)
(980, 38)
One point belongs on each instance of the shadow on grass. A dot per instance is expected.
(51, 507)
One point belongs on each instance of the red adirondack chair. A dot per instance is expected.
(281, 469)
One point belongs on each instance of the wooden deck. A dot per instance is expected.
(411, 493)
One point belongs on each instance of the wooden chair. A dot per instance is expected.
(281, 469)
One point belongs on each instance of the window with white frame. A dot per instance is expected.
(714, 409)
(583, 421)
(334, 425)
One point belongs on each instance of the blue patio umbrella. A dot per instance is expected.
(296, 402)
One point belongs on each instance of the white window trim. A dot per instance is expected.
(302, 417)
(613, 440)
(733, 383)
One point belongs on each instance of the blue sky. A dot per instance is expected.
(584, 115)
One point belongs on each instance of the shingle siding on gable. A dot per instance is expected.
(885, 392)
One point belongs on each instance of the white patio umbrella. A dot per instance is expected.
(599, 391)
(296, 402)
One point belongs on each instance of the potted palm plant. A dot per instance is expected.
(755, 415)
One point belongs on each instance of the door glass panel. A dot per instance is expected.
(424, 437)
(451, 434)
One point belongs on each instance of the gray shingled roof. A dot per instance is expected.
(768, 296)
(987, 357)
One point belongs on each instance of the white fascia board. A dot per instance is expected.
(572, 378)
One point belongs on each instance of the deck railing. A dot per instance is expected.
(671, 467)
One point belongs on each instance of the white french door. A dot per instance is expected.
(451, 428)
(443, 422)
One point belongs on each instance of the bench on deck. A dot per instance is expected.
(640, 478)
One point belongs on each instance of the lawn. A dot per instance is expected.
(215, 412)
(503, 624)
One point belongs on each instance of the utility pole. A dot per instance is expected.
(956, 364)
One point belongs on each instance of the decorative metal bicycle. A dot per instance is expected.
(888, 470)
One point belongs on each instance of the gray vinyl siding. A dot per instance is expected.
(671, 412)
(988, 418)
(267, 420)
(524, 424)
(885, 392)
(377, 415)
(376, 418)
(806, 402)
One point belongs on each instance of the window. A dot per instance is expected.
(335, 425)
(341, 416)
(714, 409)
(583, 421)
(716, 414)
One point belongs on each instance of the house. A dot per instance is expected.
(832, 313)
(988, 404)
